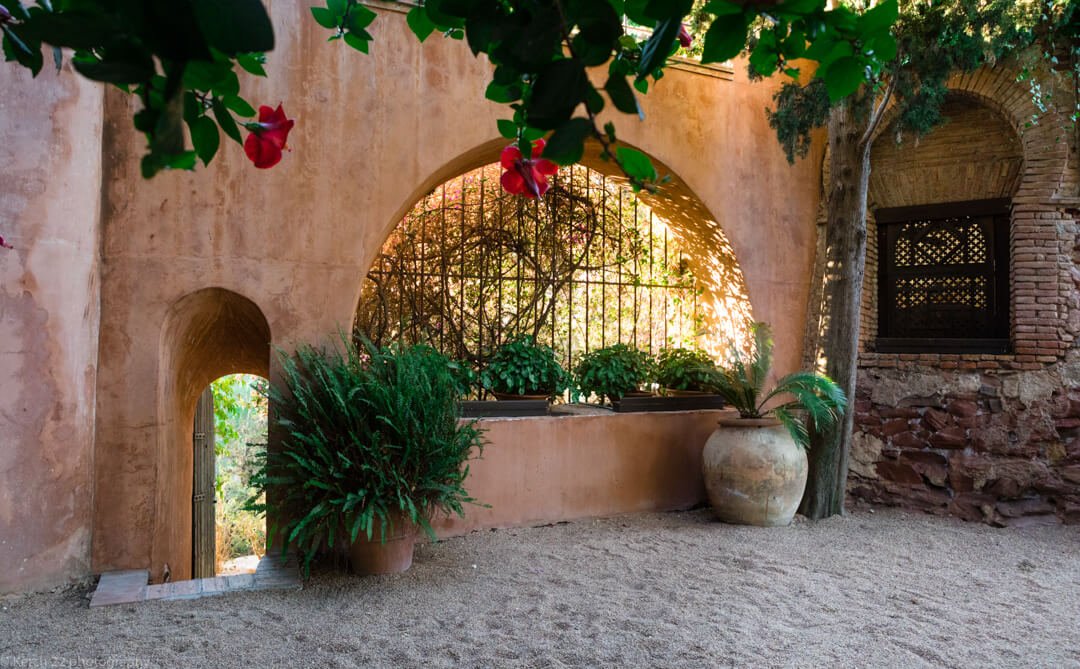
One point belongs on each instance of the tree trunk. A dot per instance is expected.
(845, 255)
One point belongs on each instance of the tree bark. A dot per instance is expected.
(845, 257)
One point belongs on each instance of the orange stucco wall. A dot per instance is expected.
(50, 150)
(373, 134)
(540, 470)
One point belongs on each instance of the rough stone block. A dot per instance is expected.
(899, 473)
(963, 408)
(1025, 507)
(952, 437)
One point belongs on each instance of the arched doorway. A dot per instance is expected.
(208, 334)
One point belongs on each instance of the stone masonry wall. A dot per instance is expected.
(1002, 447)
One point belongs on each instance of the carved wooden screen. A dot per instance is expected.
(943, 283)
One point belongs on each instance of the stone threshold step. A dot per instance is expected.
(128, 587)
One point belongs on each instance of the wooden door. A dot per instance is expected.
(202, 501)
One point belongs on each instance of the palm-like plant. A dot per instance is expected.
(742, 384)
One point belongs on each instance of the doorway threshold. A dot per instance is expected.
(128, 587)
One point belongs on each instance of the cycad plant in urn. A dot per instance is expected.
(371, 445)
(755, 465)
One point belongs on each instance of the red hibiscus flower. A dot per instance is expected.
(526, 176)
(267, 139)
(685, 38)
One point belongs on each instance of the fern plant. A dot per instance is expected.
(367, 434)
(742, 384)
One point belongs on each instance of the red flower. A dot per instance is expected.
(685, 38)
(523, 176)
(267, 139)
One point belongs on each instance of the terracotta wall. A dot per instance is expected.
(547, 469)
(50, 150)
(373, 134)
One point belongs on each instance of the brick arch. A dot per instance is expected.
(1046, 158)
(1040, 294)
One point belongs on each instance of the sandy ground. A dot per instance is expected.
(652, 590)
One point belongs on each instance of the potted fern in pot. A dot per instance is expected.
(755, 466)
(371, 446)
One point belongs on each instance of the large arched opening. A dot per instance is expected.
(591, 264)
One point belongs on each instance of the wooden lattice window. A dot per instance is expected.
(944, 278)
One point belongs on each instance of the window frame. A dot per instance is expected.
(999, 342)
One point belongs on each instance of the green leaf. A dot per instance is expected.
(567, 144)
(252, 63)
(883, 48)
(878, 18)
(725, 39)
(419, 23)
(238, 105)
(844, 77)
(337, 7)
(502, 94)
(360, 17)
(622, 96)
(507, 129)
(723, 8)
(658, 46)
(16, 49)
(236, 26)
(134, 69)
(225, 120)
(559, 88)
(636, 164)
(205, 138)
(324, 17)
(357, 42)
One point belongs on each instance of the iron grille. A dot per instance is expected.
(586, 266)
(944, 277)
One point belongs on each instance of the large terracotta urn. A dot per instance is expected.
(394, 555)
(754, 472)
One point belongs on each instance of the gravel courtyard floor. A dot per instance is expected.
(649, 590)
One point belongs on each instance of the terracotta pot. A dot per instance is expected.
(390, 557)
(515, 396)
(754, 472)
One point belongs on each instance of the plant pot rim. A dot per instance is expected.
(516, 396)
(748, 422)
(680, 392)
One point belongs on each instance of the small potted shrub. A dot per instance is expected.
(613, 372)
(371, 446)
(523, 369)
(681, 371)
(755, 466)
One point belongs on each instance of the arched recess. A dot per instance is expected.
(712, 260)
(206, 334)
(1040, 190)
(973, 155)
